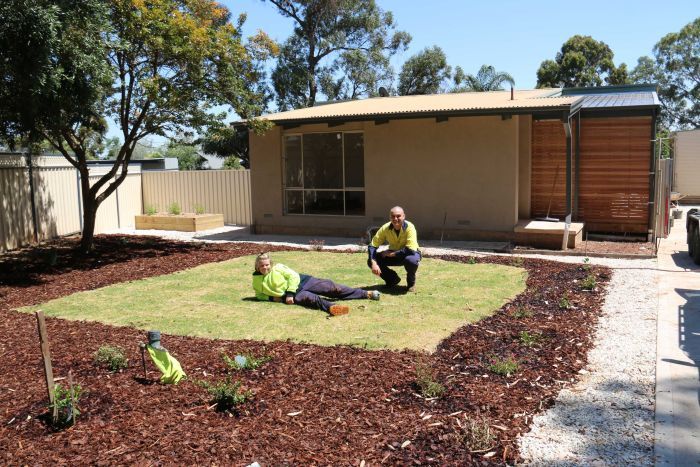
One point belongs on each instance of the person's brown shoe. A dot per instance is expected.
(337, 310)
(412, 288)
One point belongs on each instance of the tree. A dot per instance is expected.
(330, 36)
(582, 61)
(153, 66)
(188, 158)
(677, 70)
(486, 79)
(424, 72)
(228, 142)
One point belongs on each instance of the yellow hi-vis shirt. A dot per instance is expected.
(276, 283)
(407, 237)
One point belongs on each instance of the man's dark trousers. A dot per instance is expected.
(408, 260)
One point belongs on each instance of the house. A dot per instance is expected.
(466, 166)
(686, 166)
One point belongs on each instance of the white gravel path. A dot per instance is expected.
(607, 417)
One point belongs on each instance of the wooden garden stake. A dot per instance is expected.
(143, 359)
(46, 355)
(72, 397)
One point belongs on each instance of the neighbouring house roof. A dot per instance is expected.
(466, 103)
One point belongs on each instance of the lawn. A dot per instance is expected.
(217, 301)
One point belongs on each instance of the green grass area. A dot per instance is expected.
(217, 301)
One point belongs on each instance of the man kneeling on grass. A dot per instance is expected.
(278, 283)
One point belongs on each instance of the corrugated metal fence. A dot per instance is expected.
(58, 211)
(224, 192)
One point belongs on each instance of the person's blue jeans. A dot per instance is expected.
(408, 260)
(311, 294)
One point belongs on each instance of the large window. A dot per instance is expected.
(324, 173)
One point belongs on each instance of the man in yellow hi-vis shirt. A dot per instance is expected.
(403, 250)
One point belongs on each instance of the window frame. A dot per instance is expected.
(303, 190)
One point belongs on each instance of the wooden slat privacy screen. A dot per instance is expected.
(614, 174)
(548, 180)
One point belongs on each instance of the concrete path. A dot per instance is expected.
(677, 427)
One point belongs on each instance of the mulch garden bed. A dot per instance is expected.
(312, 405)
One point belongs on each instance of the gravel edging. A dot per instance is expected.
(607, 417)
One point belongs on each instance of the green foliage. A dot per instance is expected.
(471, 260)
(199, 209)
(230, 143)
(676, 69)
(586, 264)
(187, 156)
(251, 362)
(517, 261)
(225, 394)
(150, 209)
(424, 73)
(476, 434)
(113, 357)
(522, 313)
(564, 302)
(174, 208)
(582, 61)
(589, 282)
(530, 339)
(153, 67)
(503, 366)
(486, 79)
(426, 383)
(66, 405)
(342, 48)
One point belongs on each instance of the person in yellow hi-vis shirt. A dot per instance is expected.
(402, 238)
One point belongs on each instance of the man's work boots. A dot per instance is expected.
(337, 310)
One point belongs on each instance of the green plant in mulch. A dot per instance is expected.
(586, 264)
(112, 357)
(225, 394)
(589, 282)
(199, 209)
(426, 382)
(471, 260)
(476, 434)
(517, 262)
(248, 362)
(503, 366)
(564, 302)
(174, 208)
(150, 210)
(65, 405)
(522, 312)
(316, 245)
(530, 339)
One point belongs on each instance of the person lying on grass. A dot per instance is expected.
(278, 283)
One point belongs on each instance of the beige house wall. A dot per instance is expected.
(463, 172)
(524, 165)
(686, 168)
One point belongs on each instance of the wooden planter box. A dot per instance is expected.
(181, 222)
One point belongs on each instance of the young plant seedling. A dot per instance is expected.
(174, 208)
(151, 210)
(199, 209)
(476, 434)
(245, 362)
(225, 394)
(530, 339)
(522, 312)
(564, 302)
(503, 366)
(589, 282)
(111, 357)
(426, 383)
(65, 405)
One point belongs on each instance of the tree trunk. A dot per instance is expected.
(89, 217)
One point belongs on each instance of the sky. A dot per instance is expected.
(513, 36)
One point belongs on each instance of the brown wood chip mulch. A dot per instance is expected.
(312, 405)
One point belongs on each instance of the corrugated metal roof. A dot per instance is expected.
(617, 100)
(398, 106)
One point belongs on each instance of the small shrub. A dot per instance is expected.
(530, 340)
(589, 282)
(521, 312)
(476, 434)
(66, 406)
(586, 264)
(174, 208)
(225, 394)
(199, 209)
(150, 210)
(316, 245)
(503, 366)
(425, 380)
(111, 357)
(471, 260)
(251, 362)
(517, 262)
(564, 302)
